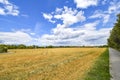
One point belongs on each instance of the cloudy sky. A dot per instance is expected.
(57, 22)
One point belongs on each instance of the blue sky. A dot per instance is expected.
(57, 22)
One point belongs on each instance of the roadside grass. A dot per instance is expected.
(100, 70)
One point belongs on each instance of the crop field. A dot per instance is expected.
(48, 64)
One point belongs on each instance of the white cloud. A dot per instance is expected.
(8, 8)
(58, 10)
(98, 14)
(18, 37)
(82, 35)
(85, 3)
(106, 18)
(114, 7)
(27, 30)
(68, 16)
(87, 34)
(48, 17)
(2, 11)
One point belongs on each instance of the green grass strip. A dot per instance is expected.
(100, 70)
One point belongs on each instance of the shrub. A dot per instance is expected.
(3, 49)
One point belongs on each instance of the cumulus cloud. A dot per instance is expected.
(17, 37)
(85, 3)
(70, 16)
(67, 15)
(8, 8)
(48, 17)
(86, 34)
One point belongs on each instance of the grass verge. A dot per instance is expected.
(100, 70)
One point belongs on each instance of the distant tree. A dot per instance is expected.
(21, 46)
(29, 47)
(114, 39)
(12, 46)
(3, 49)
(50, 46)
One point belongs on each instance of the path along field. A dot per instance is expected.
(48, 64)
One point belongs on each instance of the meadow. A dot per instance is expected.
(48, 63)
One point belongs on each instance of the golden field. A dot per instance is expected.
(48, 64)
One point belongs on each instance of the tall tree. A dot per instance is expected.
(114, 39)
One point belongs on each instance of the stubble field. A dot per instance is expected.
(48, 64)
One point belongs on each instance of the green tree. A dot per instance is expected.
(114, 39)
(50, 46)
(21, 46)
(3, 49)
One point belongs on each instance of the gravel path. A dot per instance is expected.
(114, 64)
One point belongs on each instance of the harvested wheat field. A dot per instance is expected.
(48, 64)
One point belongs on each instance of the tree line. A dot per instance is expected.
(4, 47)
(20, 46)
(114, 39)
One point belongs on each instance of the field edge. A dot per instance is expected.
(100, 69)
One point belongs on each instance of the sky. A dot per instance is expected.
(57, 22)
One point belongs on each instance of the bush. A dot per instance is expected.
(50, 46)
(3, 49)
